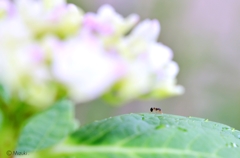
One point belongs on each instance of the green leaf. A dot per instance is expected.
(48, 127)
(151, 136)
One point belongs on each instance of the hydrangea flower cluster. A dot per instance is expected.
(51, 49)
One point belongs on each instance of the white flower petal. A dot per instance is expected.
(159, 55)
(87, 70)
(147, 29)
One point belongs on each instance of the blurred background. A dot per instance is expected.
(205, 38)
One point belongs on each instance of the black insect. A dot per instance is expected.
(156, 110)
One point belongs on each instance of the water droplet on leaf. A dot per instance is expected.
(225, 128)
(160, 126)
(182, 129)
(232, 145)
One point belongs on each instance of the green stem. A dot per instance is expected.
(11, 123)
(9, 133)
